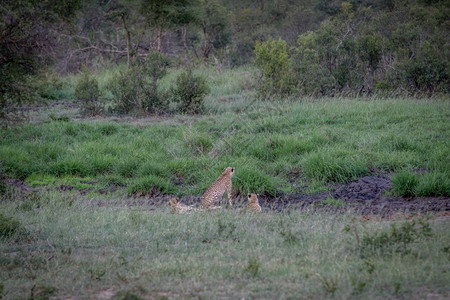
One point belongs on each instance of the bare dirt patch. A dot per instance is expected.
(367, 196)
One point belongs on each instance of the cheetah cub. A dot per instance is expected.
(177, 208)
(217, 189)
(252, 205)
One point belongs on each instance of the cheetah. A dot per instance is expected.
(252, 205)
(178, 208)
(217, 189)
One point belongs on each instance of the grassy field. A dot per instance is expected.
(320, 142)
(56, 246)
(64, 244)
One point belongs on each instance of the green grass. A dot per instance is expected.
(77, 250)
(429, 184)
(328, 141)
(60, 244)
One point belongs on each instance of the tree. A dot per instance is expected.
(274, 63)
(213, 21)
(26, 38)
(164, 14)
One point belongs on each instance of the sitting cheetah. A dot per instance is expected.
(217, 189)
(252, 205)
(178, 208)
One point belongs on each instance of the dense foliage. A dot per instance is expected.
(136, 89)
(349, 48)
(384, 49)
(190, 91)
(88, 93)
(26, 41)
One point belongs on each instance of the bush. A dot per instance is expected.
(50, 86)
(136, 89)
(404, 184)
(307, 65)
(395, 240)
(190, 91)
(273, 61)
(88, 93)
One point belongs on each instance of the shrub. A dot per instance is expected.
(50, 86)
(277, 76)
(136, 89)
(190, 91)
(88, 93)
(307, 65)
(404, 184)
(395, 239)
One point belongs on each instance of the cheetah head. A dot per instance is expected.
(173, 202)
(252, 198)
(228, 171)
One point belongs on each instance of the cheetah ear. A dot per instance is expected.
(232, 169)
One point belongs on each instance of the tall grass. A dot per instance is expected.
(329, 141)
(76, 250)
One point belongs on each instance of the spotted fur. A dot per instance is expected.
(177, 208)
(217, 189)
(253, 204)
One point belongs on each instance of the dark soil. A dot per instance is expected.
(366, 196)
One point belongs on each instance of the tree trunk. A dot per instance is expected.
(158, 39)
(206, 45)
(183, 37)
(217, 63)
(128, 40)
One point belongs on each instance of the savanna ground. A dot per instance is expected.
(355, 196)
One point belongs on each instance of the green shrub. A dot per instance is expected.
(49, 85)
(277, 76)
(306, 64)
(88, 93)
(136, 89)
(404, 184)
(395, 239)
(190, 91)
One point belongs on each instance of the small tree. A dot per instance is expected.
(190, 92)
(137, 87)
(88, 93)
(277, 76)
